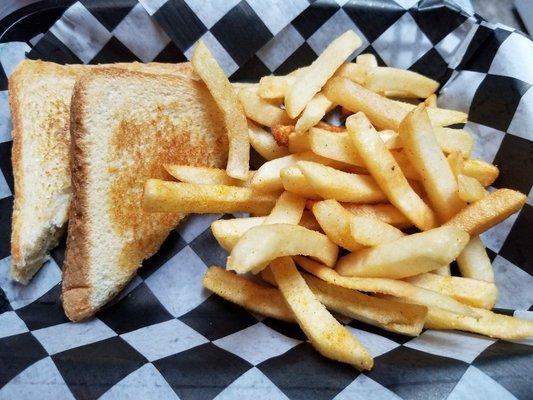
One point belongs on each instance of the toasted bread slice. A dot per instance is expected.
(39, 94)
(124, 127)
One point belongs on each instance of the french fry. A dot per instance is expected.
(384, 79)
(397, 94)
(477, 217)
(299, 142)
(474, 262)
(330, 183)
(288, 210)
(294, 181)
(371, 231)
(314, 111)
(267, 178)
(367, 60)
(309, 221)
(423, 151)
(261, 110)
(281, 134)
(354, 71)
(227, 232)
(443, 271)
(179, 197)
(226, 98)
(407, 256)
(335, 222)
(264, 143)
(391, 287)
(386, 171)
(328, 127)
(382, 112)
(484, 172)
(309, 82)
(469, 291)
(325, 333)
(335, 146)
(274, 87)
(431, 100)
(204, 175)
(451, 140)
(262, 244)
(391, 139)
(239, 290)
(456, 163)
(384, 212)
(469, 189)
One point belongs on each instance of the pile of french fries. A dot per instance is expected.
(395, 164)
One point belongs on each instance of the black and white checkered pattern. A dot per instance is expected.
(166, 337)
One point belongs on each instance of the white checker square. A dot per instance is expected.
(403, 43)
(178, 283)
(376, 344)
(342, 2)
(5, 117)
(163, 339)
(512, 55)
(11, 54)
(407, 4)
(195, 225)
(486, 141)
(81, 32)
(257, 343)
(226, 62)
(68, 335)
(449, 47)
(514, 285)
(20, 295)
(523, 117)
(210, 12)
(40, 380)
(149, 38)
(143, 383)
(530, 197)
(458, 92)
(339, 23)
(11, 324)
(363, 388)
(276, 14)
(280, 47)
(495, 236)
(459, 345)
(475, 385)
(253, 384)
(151, 6)
(4, 188)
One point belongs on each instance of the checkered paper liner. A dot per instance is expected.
(165, 336)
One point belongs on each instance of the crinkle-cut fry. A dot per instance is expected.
(226, 98)
(250, 295)
(477, 217)
(261, 110)
(423, 151)
(368, 60)
(288, 210)
(468, 291)
(180, 197)
(469, 189)
(382, 112)
(325, 333)
(262, 244)
(474, 263)
(386, 78)
(384, 212)
(484, 172)
(391, 287)
(264, 143)
(204, 175)
(330, 183)
(313, 112)
(387, 173)
(281, 134)
(227, 232)
(309, 82)
(294, 181)
(407, 256)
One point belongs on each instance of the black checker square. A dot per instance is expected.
(109, 12)
(288, 329)
(3, 79)
(427, 12)
(170, 54)
(302, 57)
(514, 156)
(302, 373)
(180, 23)
(518, 248)
(91, 370)
(412, 374)
(45, 311)
(18, 352)
(216, 318)
(510, 365)
(314, 16)
(253, 70)
(373, 17)
(496, 100)
(483, 48)
(207, 248)
(5, 163)
(431, 65)
(114, 51)
(202, 372)
(58, 252)
(50, 48)
(6, 209)
(4, 302)
(138, 309)
(241, 32)
(172, 245)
